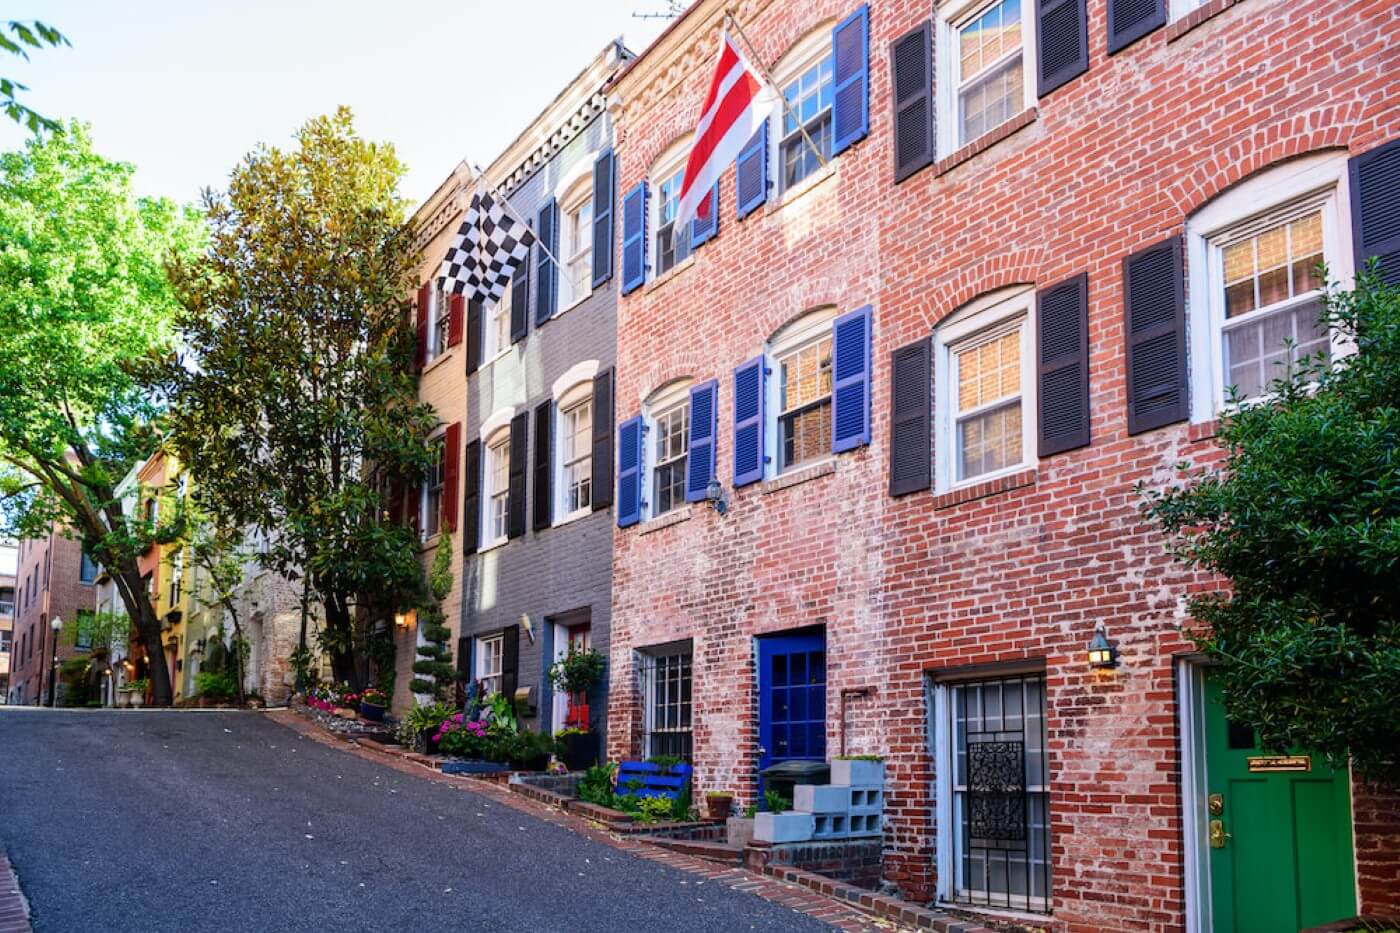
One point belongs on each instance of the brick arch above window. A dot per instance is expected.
(1007, 270)
(500, 418)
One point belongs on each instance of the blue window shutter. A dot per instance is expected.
(751, 174)
(702, 230)
(748, 422)
(850, 61)
(602, 217)
(547, 274)
(700, 462)
(629, 472)
(634, 237)
(850, 380)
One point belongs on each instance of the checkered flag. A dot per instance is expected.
(488, 247)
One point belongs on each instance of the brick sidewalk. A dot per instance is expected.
(14, 913)
(803, 899)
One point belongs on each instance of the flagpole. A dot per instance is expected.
(491, 190)
(758, 63)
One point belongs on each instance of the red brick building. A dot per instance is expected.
(927, 378)
(55, 579)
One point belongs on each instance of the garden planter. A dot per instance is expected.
(422, 744)
(580, 751)
(739, 830)
(371, 713)
(137, 700)
(719, 807)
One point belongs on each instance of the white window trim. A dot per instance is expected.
(492, 433)
(439, 437)
(581, 390)
(951, 16)
(561, 650)
(1005, 308)
(1179, 9)
(478, 671)
(1277, 189)
(490, 352)
(808, 50)
(572, 192)
(436, 313)
(671, 161)
(806, 328)
(662, 399)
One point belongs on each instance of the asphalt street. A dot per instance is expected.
(192, 821)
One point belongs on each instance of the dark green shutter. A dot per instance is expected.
(1375, 209)
(544, 474)
(911, 64)
(1062, 365)
(471, 498)
(602, 485)
(1154, 308)
(911, 398)
(474, 335)
(510, 661)
(519, 451)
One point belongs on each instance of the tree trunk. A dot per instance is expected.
(142, 614)
(340, 624)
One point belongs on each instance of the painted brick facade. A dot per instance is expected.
(1023, 568)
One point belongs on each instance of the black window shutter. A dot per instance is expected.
(546, 272)
(471, 499)
(911, 60)
(544, 475)
(464, 657)
(520, 302)
(1154, 308)
(1375, 209)
(602, 217)
(510, 661)
(1062, 365)
(1130, 20)
(519, 450)
(473, 336)
(911, 396)
(602, 483)
(1062, 43)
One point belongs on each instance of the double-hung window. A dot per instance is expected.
(672, 245)
(672, 438)
(498, 324)
(576, 246)
(666, 700)
(87, 570)
(807, 98)
(804, 403)
(497, 510)
(437, 328)
(490, 657)
(985, 389)
(985, 66)
(430, 502)
(576, 454)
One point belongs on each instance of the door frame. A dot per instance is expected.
(1189, 675)
(807, 631)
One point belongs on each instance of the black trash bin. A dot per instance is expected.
(785, 775)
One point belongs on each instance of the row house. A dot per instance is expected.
(52, 585)
(883, 415)
(9, 563)
(522, 387)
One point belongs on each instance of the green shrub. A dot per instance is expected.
(596, 785)
(776, 802)
(214, 685)
(422, 719)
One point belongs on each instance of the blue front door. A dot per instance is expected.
(791, 697)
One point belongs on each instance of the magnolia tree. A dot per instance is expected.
(294, 407)
(83, 297)
(1302, 520)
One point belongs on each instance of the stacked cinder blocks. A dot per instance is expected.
(851, 805)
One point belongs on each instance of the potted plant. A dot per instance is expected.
(719, 803)
(137, 692)
(580, 748)
(575, 674)
(373, 704)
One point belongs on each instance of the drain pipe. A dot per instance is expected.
(847, 693)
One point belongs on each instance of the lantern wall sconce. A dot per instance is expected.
(402, 619)
(714, 495)
(1101, 654)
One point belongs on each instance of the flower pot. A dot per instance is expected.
(137, 700)
(580, 751)
(719, 807)
(371, 712)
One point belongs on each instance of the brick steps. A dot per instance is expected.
(720, 852)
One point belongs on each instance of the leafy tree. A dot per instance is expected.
(36, 35)
(295, 410)
(218, 554)
(82, 294)
(1302, 519)
(436, 675)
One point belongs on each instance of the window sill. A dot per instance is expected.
(673, 517)
(982, 490)
(1006, 914)
(800, 475)
(801, 188)
(670, 273)
(438, 360)
(1196, 17)
(493, 358)
(429, 543)
(1203, 431)
(492, 545)
(571, 305)
(571, 517)
(986, 141)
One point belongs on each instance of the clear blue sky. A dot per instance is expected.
(183, 88)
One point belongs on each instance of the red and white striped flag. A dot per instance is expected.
(738, 101)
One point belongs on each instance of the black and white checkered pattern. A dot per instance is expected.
(489, 245)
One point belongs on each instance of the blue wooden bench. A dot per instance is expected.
(652, 780)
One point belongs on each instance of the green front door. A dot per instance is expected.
(1279, 840)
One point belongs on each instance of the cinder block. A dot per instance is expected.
(821, 798)
(852, 772)
(783, 827)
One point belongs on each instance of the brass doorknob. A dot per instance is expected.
(1218, 834)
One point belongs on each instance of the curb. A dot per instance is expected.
(14, 909)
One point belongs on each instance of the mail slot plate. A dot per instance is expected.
(1280, 763)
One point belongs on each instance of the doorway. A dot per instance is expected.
(792, 697)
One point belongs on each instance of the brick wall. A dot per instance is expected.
(62, 595)
(1111, 162)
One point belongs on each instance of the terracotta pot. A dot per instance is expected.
(719, 807)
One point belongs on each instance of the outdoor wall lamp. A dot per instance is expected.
(1101, 653)
(401, 619)
(714, 495)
